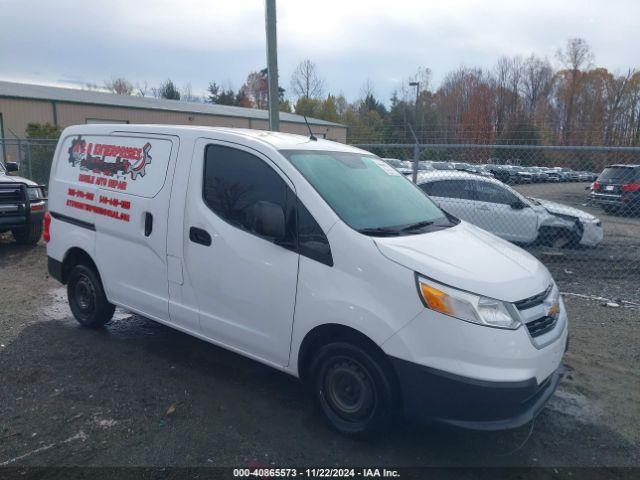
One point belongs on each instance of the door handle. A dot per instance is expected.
(483, 207)
(198, 235)
(148, 224)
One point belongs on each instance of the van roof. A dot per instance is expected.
(278, 140)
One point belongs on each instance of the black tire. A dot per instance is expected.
(611, 210)
(29, 235)
(87, 299)
(355, 389)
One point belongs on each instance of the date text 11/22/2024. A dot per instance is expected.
(316, 472)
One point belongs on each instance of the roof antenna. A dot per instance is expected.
(311, 135)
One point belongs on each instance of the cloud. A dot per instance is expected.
(197, 41)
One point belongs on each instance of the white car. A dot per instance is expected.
(313, 257)
(399, 165)
(499, 209)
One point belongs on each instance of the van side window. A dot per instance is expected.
(312, 242)
(235, 181)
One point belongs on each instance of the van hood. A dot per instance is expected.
(469, 258)
(13, 179)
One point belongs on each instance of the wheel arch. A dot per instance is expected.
(76, 256)
(326, 333)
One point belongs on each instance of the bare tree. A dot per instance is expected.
(119, 85)
(142, 88)
(91, 86)
(467, 104)
(506, 79)
(575, 57)
(536, 83)
(406, 92)
(305, 80)
(367, 89)
(187, 95)
(615, 95)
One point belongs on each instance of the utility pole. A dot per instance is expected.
(416, 155)
(417, 85)
(272, 65)
(416, 147)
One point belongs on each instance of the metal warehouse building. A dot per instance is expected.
(21, 104)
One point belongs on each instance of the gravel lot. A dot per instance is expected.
(611, 270)
(138, 393)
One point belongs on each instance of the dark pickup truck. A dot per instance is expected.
(617, 189)
(22, 206)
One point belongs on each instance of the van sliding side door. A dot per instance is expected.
(131, 206)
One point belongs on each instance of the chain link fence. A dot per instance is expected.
(576, 208)
(33, 156)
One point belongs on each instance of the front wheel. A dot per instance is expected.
(30, 235)
(87, 299)
(354, 389)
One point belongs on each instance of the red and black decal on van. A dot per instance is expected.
(109, 160)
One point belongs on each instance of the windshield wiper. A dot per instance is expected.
(417, 225)
(380, 231)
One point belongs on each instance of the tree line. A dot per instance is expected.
(520, 100)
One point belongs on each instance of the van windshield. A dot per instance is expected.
(367, 194)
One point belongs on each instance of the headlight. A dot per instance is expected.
(467, 306)
(35, 194)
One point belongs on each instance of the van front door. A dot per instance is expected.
(244, 282)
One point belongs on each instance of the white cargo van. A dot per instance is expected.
(310, 256)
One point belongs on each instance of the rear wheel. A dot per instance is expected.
(87, 299)
(354, 389)
(29, 235)
(610, 209)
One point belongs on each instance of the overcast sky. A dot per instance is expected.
(67, 42)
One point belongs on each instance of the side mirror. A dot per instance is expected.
(517, 205)
(268, 220)
(12, 167)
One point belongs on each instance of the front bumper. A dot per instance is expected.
(475, 376)
(20, 219)
(434, 395)
(592, 234)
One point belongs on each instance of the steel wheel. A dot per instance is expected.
(349, 389)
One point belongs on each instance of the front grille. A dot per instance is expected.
(533, 301)
(541, 325)
(11, 194)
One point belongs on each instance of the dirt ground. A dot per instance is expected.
(138, 393)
